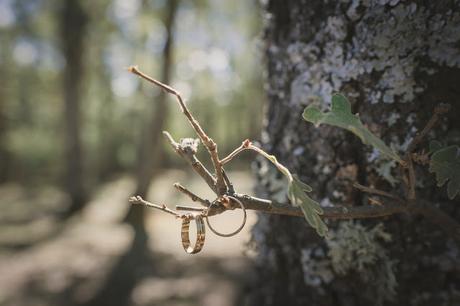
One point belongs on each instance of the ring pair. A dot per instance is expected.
(201, 229)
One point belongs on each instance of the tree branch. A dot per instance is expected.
(248, 145)
(438, 111)
(340, 212)
(196, 164)
(190, 208)
(140, 200)
(210, 145)
(235, 152)
(450, 226)
(411, 174)
(222, 185)
(231, 189)
(191, 195)
(377, 192)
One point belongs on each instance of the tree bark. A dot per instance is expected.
(73, 26)
(395, 61)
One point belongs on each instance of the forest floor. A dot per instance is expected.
(44, 261)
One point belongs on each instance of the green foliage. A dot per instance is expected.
(435, 146)
(297, 194)
(341, 116)
(445, 163)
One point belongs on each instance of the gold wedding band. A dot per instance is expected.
(200, 234)
(238, 229)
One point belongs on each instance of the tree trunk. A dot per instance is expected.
(73, 25)
(4, 155)
(150, 151)
(395, 62)
(130, 268)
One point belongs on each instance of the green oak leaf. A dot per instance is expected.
(297, 194)
(341, 116)
(445, 163)
(435, 146)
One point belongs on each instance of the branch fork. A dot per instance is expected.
(227, 198)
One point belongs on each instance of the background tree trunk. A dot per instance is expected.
(395, 62)
(130, 267)
(73, 25)
(150, 151)
(4, 155)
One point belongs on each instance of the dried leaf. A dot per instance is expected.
(341, 116)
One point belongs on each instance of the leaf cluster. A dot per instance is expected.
(445, 162)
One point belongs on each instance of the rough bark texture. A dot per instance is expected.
(395, 60)
(73, 27)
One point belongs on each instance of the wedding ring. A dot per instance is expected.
(237, 230)
(200, 234)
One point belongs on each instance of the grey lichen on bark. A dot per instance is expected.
(394, 60)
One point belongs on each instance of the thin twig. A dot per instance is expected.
(140, 200)
(404, 179)
(220, 183)
(190, 208)
(450, 226)
(248, 145)
(231, 189)
(273, 159)
(377, 192)
(375, 201)
(435, 215)
(207, 141)
(421, 158)
(439, 110)
(193, 161)
(411, 185)
(191, 195)
(337, 212)
(234, 153)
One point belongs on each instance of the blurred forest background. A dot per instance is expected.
(79, 134)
